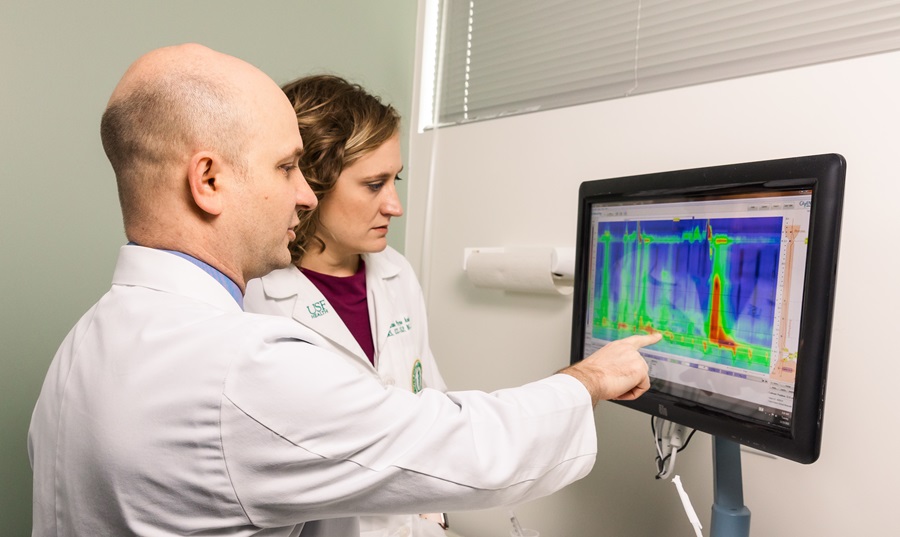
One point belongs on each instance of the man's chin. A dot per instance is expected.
(276, 264)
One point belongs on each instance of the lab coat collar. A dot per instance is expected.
(311, 309)
(162, 271)
(216, 274)
(380, 266)
(288, 282)
(282, 283)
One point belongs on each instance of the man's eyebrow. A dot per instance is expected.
(295, 154)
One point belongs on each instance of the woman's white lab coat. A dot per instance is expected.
(403, 357)
(396, 308)
(169, 411)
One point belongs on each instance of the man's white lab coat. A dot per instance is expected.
(169, 411)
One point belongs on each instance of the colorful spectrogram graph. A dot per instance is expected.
(709, 285)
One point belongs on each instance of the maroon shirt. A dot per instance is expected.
(347, 295)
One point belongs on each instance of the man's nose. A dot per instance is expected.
(306, 198)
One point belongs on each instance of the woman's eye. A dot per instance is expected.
(375, 187)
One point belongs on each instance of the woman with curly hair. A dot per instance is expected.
(346, 283)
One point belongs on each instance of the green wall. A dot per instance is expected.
(60, 226)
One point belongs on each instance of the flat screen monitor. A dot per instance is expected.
(735, 265)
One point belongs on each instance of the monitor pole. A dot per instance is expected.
(730, 517)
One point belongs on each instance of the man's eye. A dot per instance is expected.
(287, 168)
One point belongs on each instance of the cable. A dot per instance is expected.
(669, 439)
(688, 508)
(430, 184)
(516, 527)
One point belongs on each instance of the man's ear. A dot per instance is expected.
(203, 173)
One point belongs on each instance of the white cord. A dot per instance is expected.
(657, 439)
(669, 438)
(637, 41)
(670, 465)
(516, 527)
(430, 185)
(688, 508)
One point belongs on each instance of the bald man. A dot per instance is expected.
(169, 411)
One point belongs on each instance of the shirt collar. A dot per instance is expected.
(224, 280)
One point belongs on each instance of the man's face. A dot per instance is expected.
(356, 213)
(273, 190)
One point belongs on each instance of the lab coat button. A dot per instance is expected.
(389, 381)
(404, 532)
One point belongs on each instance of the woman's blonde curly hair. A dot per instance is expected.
(339, 123)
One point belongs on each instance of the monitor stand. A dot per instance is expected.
(730, 517)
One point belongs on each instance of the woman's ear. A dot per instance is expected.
(203, 172)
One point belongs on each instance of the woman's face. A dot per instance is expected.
(354, 217)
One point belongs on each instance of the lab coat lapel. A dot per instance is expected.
(378, 270)
(312, 309)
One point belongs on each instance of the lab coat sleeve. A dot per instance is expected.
(306, 435)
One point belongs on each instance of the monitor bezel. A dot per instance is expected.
(825, 175)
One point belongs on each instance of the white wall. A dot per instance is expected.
(514, 181)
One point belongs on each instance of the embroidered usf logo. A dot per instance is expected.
(317, 309)
(417, 383)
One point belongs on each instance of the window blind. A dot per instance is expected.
(501, 57)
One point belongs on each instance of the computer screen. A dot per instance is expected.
(735, 265)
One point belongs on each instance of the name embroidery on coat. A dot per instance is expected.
(400, 326)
